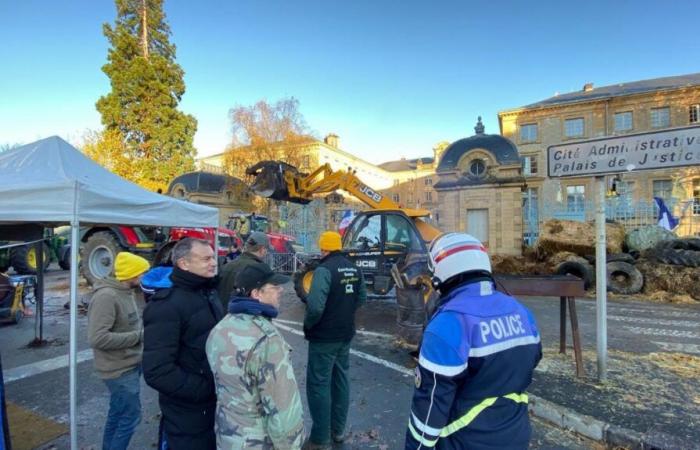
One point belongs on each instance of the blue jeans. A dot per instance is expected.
(124, 410)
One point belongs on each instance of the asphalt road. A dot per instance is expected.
(380, 370)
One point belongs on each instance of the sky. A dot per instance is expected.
(391, 78)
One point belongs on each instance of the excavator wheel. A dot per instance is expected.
(303, 278)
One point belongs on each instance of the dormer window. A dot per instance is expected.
(477, 168)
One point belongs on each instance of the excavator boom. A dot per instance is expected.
(281, 181)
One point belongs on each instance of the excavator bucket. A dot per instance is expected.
(269, 181)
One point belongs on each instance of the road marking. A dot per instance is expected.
(39, 367)
(388, 364)
(656, 312)
(362, 332)
(652, 321)
(661, 332)
(676, 347)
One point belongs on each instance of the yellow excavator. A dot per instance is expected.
(388, 242)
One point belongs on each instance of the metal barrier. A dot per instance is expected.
(288, 262)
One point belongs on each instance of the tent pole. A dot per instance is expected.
(75, 244)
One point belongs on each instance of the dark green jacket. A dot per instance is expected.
(337, 290)
(227, 282)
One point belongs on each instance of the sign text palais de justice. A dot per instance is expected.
(659, 150)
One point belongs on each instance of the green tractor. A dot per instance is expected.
(23, 258)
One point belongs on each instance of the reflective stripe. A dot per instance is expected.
(425, 428)
(478, 352)
(448, 371)
(475, 410)
(419, 438)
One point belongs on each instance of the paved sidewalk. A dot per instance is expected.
(648, 401)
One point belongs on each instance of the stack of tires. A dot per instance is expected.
(623, 277)
(677, 252)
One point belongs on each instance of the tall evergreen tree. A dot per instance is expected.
(147, 86)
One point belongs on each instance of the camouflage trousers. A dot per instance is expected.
(328, 389)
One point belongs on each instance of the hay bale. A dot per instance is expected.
(674, 280)
(577, 237)
(647, 237)
(518, 265)
(561, 257)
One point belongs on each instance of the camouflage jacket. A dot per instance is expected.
(258, 402)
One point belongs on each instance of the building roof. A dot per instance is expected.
(502, 149)
(404, 164)
(204, 182)
(618, 90)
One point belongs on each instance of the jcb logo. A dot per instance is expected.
(366, 264)
(368, 191)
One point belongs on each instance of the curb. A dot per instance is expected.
(610, 435)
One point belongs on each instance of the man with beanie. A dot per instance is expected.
(254, 251)
(259, 406)
(177, 321)
(337, 290)
(115, 335)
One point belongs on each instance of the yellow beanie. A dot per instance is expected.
(127, 266)
(330, 241)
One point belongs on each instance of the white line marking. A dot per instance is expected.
(39, 367)
(362, 332)
(388, 364)
(677, 347)
(656, 312)
(653, 321)
(661, 332)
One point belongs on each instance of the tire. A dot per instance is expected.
(687, 258)
(624, 257)
(64, 257)
(578, 269)
(680, 244)
(302, 279)
(23, 259)
(164, 255)
(97, 256)
(624, 278)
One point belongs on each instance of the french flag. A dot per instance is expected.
(666, 219)
(345, 221)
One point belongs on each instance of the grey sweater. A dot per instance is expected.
(114, 329)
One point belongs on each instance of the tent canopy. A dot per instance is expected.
(50, 181)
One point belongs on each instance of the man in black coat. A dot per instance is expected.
(177, 322)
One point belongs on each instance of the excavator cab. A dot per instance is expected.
(378, 240)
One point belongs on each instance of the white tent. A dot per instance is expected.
(51, 182)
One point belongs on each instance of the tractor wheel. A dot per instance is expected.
(303, 278)
(578, 269)
(97, 256)
(64, 257)
(164, 255)
(687, 258)
(23, 259)
(624, 257)
(624, 278)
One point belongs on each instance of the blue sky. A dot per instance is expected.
(391, 78)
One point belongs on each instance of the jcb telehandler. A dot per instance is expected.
(388, 242)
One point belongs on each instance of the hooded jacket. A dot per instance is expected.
(114, 329)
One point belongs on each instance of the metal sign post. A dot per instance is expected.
(670, 148)
(601, 310)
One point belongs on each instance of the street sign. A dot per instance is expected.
(677, 147)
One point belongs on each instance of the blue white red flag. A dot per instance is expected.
(345, 221)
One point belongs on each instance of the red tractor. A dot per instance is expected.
(229, 242)
(245, 223)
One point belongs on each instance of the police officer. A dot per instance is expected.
(337, 290)
(476, 359)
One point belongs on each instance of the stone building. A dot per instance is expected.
(634, 107)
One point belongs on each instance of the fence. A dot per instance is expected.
(287, 262)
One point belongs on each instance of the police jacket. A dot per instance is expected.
(177, 322)
(476, 360)
(337, 290)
